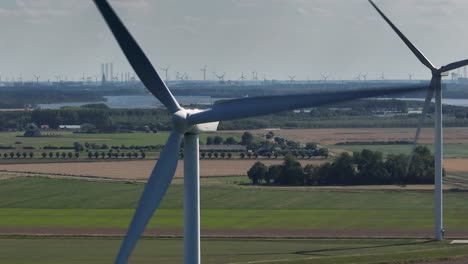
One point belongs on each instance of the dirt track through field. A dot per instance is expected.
(138, 170)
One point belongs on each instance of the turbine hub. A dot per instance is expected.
(179, 121)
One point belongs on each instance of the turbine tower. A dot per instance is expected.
(165, 70)
(254, 75)
(291, 79)
(204, 72)
(187, 124)
(435, 87)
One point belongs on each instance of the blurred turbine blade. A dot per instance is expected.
(137, 58)
(427, 104)
(256, 106)
(155, 188)
(453, 66)
(408, 43)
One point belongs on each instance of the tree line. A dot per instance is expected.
(361, 168)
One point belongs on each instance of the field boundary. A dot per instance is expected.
(230, 233)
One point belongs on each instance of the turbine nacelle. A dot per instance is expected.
(181, 123)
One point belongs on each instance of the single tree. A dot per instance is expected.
(247, 138)
(257, 172)
(218, 140)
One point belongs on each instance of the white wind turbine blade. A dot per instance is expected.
(154, 191)
(255, 106)
(137, 57)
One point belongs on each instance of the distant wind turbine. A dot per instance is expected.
(166, 71)
(204, 72)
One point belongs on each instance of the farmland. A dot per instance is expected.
(217, 250)
(330, 136)
(227, 208)
(70, 208)
(72, 212)
(64, 138)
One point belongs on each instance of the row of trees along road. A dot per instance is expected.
(362, 168)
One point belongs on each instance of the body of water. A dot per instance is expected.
(148, 101)
(137, 101)
(446, 101)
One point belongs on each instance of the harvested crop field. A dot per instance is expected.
(330, 136)
(456, 165)
(140, 170)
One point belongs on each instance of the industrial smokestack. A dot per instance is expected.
(102, 72)
(111, 77)
(107, 71)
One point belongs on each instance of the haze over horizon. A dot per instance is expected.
(276, 38)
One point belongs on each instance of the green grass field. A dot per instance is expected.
(169, 251)
(44, 203)
(450, 150)
(117, 139)
(41, 202)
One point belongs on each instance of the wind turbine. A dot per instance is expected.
(220, 77)
(291, 79)
(166, 70)
(364, 76)
(410, 76)
(204, 72)
(325, 77)
(37, 79)
(187, 124)
(242, 78)
(434, 87)
(254, 76)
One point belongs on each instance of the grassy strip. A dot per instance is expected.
(117, 139)
(169, 251)
(43, 193)
(237, 219)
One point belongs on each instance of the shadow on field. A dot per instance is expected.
(314, 252)
(322, 252)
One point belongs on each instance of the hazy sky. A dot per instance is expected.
(277, 38)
